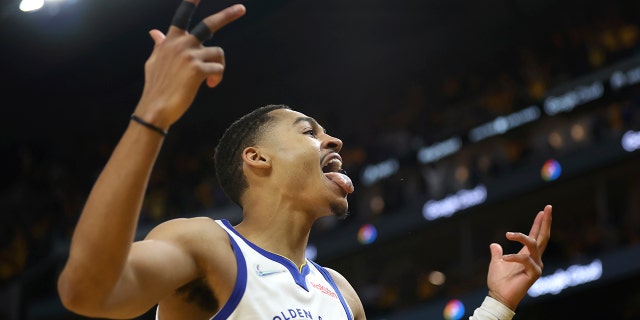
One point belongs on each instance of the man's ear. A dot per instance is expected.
(254, 158)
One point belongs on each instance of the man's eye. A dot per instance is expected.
(310, 132)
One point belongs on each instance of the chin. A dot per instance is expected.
(340, 211)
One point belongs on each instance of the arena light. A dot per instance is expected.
(463, 199)
(578, 132)
(562, 279)
(551, 170)
(621, 79)
(503, 124)
(580, 95)
(311, 252)
(631, 141)
(374, 173)
(35, 5)
(453, 310)
(367, 234)
(439, 150)
(31, 5)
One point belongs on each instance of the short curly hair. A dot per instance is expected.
(228, 158)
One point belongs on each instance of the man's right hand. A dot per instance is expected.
(177, 67)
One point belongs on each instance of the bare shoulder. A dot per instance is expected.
(207, 246)
(197, 234)
(185, 227)
(349, 293)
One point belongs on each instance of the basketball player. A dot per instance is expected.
(280, 167)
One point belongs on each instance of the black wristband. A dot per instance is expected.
(148, 125)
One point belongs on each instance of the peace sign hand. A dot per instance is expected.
(180, 63)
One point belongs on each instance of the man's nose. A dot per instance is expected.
(332, 143)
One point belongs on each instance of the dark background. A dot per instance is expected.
(387, 77)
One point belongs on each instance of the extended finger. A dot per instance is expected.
(182, 17)
(544, 233)
(202, 32)
(535, 227)
(205, 29)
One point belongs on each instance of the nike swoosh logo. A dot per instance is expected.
(261, 273)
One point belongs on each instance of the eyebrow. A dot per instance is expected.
(311, 121)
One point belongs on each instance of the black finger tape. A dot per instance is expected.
(182, 17)
(202, 32)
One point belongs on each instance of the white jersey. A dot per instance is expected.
(271, 287)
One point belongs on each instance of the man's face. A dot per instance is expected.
(305, 164)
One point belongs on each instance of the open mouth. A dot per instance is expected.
(333, 165)
(332, 169)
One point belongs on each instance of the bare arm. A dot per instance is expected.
(349, 294)
(105, 269)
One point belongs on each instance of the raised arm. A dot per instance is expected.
(511, 275)
(104, 270)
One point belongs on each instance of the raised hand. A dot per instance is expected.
(103, 276)
(511, 275)
(180, 63)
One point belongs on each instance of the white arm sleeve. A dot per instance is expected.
(492, 309)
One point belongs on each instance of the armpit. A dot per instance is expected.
(198, 293)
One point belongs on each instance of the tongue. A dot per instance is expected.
(342, 180)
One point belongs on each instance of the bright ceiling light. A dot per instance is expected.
(31, 5)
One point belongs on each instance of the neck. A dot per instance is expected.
(280, 231)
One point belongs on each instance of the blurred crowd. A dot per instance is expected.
(45, 185)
